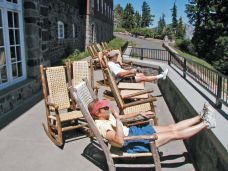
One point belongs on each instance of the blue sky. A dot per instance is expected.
(158, 7)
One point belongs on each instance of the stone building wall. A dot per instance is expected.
(42, 45)
(102, 21)
(41, 23)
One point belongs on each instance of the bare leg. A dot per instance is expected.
(165, 137)
(145, 78)
(178, 126)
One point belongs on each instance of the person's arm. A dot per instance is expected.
(118, 135)
(132, 115)
(126, 72)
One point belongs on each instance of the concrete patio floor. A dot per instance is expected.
(24, 145)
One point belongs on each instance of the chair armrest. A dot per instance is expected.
(128, 75)
(96, 87)
(135, 123)
(150, 99)
(152, 137)
(56, 107)
(138, 93)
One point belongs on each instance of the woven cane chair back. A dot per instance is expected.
(91, 52)
(103, 60)
(57, 86)
(81, 70)
(99, 47)
(106, 45)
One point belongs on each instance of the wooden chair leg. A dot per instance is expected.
(59, 133)
(156, 157)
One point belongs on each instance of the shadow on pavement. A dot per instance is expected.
(97, 157)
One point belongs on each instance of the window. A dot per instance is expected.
(98, 5)
(3, 69)
(93, 33)
(105, 8)
(110, 12)
(60, 30)
(102, 6)
(74, 30)
(12, 57)
(92, 4)
(13, 1)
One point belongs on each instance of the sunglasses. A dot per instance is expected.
(105, 108)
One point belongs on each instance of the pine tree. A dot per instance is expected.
(118, 15)
(174, 17)
(210, 37)
(147, 18)
(137, 19)
(161, 29)
(180, 30)
(128, 17)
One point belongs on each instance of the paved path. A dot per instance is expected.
(143, 43)
(24, 145)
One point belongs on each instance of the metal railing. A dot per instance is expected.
(124, 47)
(213, 81)
(156, 54)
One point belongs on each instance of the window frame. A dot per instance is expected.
(61, 24)
(6, 7)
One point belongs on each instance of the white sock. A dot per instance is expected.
(159, 76)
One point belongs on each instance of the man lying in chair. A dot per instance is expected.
(119, 72)
(109, 124)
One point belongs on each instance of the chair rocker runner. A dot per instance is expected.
(60, 109)
(113, 154)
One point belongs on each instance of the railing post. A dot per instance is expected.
(219, 92)
(169, 58)
(185, 68)
(141, 58)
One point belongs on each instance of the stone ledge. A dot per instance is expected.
(206, 150)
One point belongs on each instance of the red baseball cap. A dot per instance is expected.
(98, 105)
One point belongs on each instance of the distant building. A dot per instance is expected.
(34, 32)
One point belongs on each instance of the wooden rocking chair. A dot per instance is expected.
(117, 153)
(79, 70)
(136, 106)
(104, 64)
(94, 54)
(60, 109)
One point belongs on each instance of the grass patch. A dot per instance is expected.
(195, 58)
(115, 43)
(76, 56)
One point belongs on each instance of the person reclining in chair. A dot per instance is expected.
(109, 124)
(119, 72)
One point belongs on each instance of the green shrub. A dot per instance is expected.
(116, 43)
(185, 45)
(146, 32)
(119, 30)
(76, 56)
